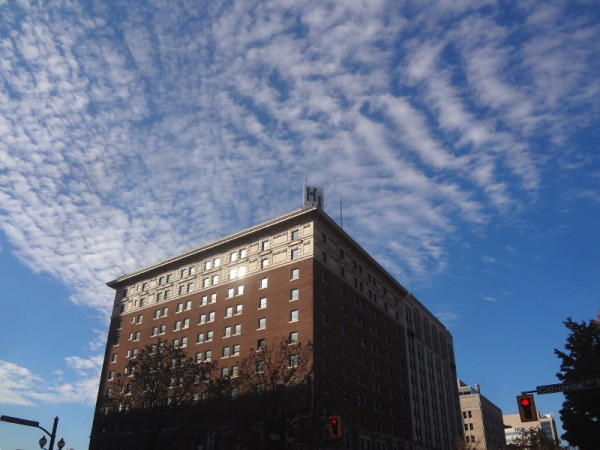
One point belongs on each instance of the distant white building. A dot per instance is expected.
(515, 427)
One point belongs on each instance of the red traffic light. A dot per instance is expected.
(335, 426)
(527, 411)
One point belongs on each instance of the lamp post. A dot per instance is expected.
(32, 423)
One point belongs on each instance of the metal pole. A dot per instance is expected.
(53, 435)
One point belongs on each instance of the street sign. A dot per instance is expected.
(29, 423)
(568, 387)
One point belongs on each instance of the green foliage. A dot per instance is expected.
(580, 413)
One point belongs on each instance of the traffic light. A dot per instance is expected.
(335, 426)
(527, 409)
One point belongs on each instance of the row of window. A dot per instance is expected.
(209, 318)
(206, 355)
(235, 272)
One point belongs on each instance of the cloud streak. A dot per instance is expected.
(130, 137)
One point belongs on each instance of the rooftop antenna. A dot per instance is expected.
(342, 222)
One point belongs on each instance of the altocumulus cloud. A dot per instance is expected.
(128, 137)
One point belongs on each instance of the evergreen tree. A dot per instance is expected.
(580, 413)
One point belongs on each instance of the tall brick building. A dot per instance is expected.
(384, 361)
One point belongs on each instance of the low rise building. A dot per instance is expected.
(514, 427)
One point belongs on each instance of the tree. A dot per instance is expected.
(534, 439)
(580, 413)
(275, 382)
(149, 397)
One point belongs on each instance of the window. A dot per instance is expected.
(213, 297)
(157, 314)
(161, 281)
(262, 323)
(190, 287)
(154, 331)
(111, 375)
(114, 358)
(207, 355)
(199, 357)
(136, 336)
(234, 371)
(295, 235)
(294, 253)
(224, 371)
(262, 303)
(181, 289)
(165, 311)
(163, 329)
(179, 308)
(176, 343)
(215, 279)
(243, 253)
(159, 297)
(233, 256)
(236, 350)
(167, 293)
(204, 300)
(211, 316)
(294, 361)
(260, 366)
(230, 292)
(184, 342)
(227, 332)
(186, 323)
(169, 278)
(225, 352)
(264, 262)
(202, 319)
(295, 274)
(229, 311)
(261, 344)
(240, 290)
(183, 273)
(206, 282)
(207, 265)
(238, 309)
(266, 245)
(217, 262)
(177, 326)
(200, 338)
(188, 305)
(293, 315)
(294, 294)
(237, 328)
(209, 335)
(293, 337)
(264, 283)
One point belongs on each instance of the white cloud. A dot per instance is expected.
(130, 138)
(19, 386)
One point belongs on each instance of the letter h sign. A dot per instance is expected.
(313, 196)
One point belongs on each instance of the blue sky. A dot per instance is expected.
(462, 137)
